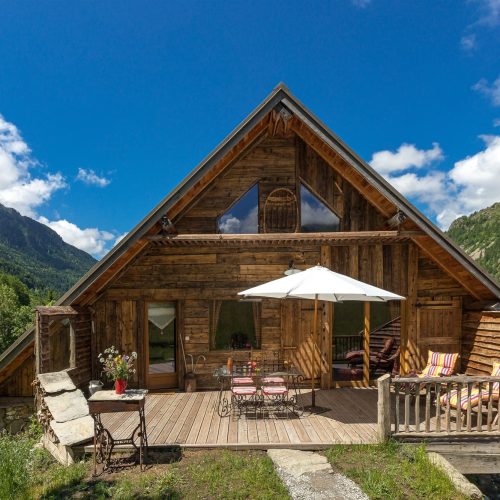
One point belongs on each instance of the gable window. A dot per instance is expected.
(234, 325)
(243, 216)
(315, 216)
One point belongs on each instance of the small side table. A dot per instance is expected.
(104, 443)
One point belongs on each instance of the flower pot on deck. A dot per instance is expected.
(120, 385)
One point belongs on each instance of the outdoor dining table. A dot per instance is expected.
(264, 399)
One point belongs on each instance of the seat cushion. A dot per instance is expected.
(244, 390)
(273, 390)
(273, 380)
(440, 364)
(464, 398)
(242, 381)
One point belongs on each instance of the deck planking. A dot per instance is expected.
(191, 421)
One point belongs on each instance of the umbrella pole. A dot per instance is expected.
(313, 349)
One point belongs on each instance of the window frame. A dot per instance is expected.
(235, 202)
(301, 183)
(257, 316)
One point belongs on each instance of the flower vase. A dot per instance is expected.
(120, 385)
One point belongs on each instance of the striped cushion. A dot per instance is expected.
(464, 398)
(440, 364)
(495, 372)
(271, 390)
(244, 390)
(242, 381)
(273, 380)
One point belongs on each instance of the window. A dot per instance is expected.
(243, 216)
(235, 325)
(162, 338)
(315, 216)
(62, 345)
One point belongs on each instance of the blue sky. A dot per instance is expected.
(106, 106)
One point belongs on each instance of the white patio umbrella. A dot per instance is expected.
(319, 283)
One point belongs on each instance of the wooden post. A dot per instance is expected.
(313, 368)
(384, 408)
(366, 346)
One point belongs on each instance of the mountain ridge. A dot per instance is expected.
(37, 255)
(478, 234)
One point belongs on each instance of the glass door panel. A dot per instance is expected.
(162, 345)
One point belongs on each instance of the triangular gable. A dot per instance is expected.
(284, 107)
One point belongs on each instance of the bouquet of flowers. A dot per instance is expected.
(118, 367)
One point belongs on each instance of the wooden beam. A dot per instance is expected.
(333, 238)
(366, 345)
(326, 324)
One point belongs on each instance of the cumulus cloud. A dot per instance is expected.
(471, 184)
(492, 91)
(90, 178)
(407, 156)
(489, 12)
(25, 187)
(231, 224)
(91, 240)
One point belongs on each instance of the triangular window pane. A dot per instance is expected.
(243, 216)
(315, 216)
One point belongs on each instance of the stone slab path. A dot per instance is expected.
(309, 476)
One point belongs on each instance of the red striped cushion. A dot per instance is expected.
(440, 364)
(270, 390)
(244, 390)
(273, 380)
(242, 381)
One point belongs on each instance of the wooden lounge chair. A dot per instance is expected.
(356, 357)
(461, 405)
(390, 364)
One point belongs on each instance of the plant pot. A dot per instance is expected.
(120, 385)
(190, 382)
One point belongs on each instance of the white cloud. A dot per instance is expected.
(496, 122)
(231, 224)
(471, 184)
(119, 238)
(490, 12)
(25, 188)
(489, 90)
(90, 178)
(91, 240)
(407, 156)
(469, 42)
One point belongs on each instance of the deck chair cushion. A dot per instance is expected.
(474, 395)
(440, 364)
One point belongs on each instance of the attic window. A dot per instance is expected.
(243, 216)
(315, 216)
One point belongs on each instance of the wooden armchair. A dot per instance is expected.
(356, 357)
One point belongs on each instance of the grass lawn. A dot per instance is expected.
(382, 471)
(392, 471)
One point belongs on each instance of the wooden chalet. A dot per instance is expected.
(281, 191)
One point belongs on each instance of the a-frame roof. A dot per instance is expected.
(280, 97)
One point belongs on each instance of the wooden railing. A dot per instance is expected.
(420, 407)
(342, 344)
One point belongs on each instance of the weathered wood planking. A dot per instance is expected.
(480, 341)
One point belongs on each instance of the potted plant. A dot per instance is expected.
(118, 367)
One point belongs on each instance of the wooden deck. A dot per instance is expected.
(191, 421)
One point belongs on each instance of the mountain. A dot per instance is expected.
(37, 255)
(479, 235)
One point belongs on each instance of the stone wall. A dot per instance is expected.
(15, 413)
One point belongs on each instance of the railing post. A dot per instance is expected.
(384, 408)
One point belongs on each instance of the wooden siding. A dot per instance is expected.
(280, 162)
(17, 382)
(480, 342)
